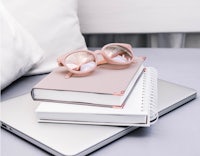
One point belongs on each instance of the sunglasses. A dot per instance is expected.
(84, 62)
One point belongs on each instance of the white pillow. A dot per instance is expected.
(19, 51)
(53, 23)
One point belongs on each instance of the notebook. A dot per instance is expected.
(107, 85)
(139, 106)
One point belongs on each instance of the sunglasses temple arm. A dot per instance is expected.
(68, 75)
(139, 58)
(144, 57)
(60, 59)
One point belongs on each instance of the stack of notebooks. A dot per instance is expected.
(126, 97)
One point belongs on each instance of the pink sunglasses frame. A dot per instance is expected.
(104, 59)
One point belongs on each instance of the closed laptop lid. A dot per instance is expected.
(18, 116)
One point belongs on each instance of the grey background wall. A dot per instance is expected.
(143, 23)
(159, 40)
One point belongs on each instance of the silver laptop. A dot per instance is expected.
(18, 117)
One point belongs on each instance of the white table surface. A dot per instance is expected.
(177, 133)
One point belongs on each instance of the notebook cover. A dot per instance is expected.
(102, 80)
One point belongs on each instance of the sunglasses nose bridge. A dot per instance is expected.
(101, 59)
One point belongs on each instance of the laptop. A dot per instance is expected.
(18, 116)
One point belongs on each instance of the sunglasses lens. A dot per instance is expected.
(82, 61)
(118, 54)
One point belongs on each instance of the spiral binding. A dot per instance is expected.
(150, 93)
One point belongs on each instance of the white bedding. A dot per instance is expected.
(19, 51)
(54, 27)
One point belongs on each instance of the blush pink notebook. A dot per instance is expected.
(105, 87)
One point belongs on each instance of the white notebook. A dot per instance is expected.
(140, 108)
